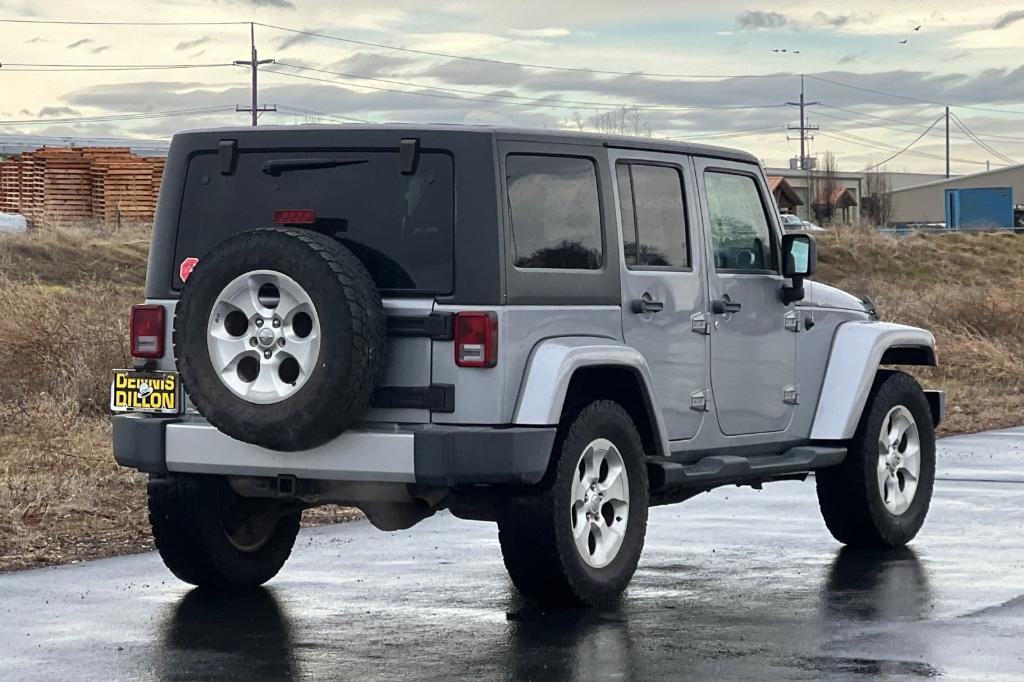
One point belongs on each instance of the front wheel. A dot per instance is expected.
(208, 535)
(880, 494)
(578, 539)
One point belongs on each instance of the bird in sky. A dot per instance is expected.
(918, 28)
(904, 42)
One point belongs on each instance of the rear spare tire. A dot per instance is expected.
(280, 337)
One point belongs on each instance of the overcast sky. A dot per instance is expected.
(967, 54)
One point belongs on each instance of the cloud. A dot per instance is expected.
(294, 39)
(79, 43)
(286, 4)
(1008, 19)
(540, 32)
(853, 57)
(189, 44)
(370, 64)
(835, 21)
(52, 112)
(757, 19)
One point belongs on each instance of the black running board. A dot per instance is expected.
(716, 470)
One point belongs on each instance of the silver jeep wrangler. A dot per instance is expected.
(546, 330)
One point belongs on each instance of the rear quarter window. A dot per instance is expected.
(555, 209)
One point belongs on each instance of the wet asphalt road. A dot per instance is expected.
(733, 584)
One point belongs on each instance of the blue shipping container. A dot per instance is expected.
(979, 207)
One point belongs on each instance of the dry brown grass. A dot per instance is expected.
(968, 289)
(64, 297)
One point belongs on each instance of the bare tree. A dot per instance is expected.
(876, 205)
(621, 121)
(829, 185)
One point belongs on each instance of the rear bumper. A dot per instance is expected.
(427, 455)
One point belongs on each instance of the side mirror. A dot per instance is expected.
(799, 258)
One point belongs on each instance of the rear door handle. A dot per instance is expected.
(725, 305)
(647, 304)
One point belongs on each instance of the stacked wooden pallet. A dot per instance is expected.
(72, 184)
(66, 188)
(10, 186)
(122, 190)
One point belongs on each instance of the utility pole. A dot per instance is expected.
(803, 127)
(947, 142)
(254, 63)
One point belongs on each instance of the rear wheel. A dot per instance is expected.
(208, 535)
(880, 494)
(578, 539)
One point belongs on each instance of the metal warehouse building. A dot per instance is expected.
(927, 203)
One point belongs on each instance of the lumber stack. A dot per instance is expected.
(10, 186)
(69, 185)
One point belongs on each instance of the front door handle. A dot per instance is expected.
(647, 304)
(725, 305)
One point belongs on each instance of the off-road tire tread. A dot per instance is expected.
(531, 531)
(189, 538)
(847, 495)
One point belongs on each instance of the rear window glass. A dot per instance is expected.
(556, 212)
(401, 226)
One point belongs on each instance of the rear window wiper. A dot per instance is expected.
(279, 166)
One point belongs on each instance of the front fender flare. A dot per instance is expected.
(552, 365)
(857, 352)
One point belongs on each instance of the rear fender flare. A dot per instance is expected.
(858, 350)
(550, 370)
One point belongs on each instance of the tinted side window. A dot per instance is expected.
(629, 247)
(739, 226)
(654, 220)
(556, 212)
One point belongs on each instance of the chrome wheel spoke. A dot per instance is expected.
(599, 510)
(614, 487)
(263, 336)
(899, 460)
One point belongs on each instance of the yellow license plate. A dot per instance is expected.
(155, 392)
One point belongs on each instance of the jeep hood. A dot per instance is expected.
(820, 295)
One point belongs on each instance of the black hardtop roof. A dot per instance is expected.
(552, 136)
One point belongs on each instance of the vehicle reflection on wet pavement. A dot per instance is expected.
(733, 584)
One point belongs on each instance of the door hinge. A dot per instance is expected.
(791, 395)
(699, 323)
(699, 401)
(793, 321)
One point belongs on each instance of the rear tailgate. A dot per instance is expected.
(399, 224)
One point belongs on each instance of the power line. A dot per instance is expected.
(543, 100)
(123, 23)
(123, 117)
(913, 99)
(983, 145)
(884, 146)
(505, 62)
(73, 68)
(310, 112)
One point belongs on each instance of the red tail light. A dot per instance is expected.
(147, 331)
(294, 217)
(476, 339)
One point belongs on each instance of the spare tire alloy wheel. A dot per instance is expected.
(264, 336)
(600, 507)
(281, 337)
